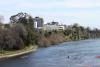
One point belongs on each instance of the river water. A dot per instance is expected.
(68, 54)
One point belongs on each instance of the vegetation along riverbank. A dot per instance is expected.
(21, 32)
(10, 54)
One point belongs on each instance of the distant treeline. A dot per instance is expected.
(20, 33)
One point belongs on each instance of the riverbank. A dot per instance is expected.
(10, 54)
(79, 52)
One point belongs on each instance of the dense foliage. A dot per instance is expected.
(20, 33)
(76, 32)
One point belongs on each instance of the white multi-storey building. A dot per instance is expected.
(54, 26)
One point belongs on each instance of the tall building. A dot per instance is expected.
(38, 23)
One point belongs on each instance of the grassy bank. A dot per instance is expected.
(9, 54)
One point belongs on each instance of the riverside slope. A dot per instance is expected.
(18, 53)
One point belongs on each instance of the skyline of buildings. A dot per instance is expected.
(39, 25)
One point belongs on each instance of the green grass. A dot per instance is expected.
(7, 53)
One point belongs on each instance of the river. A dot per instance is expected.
(68, 54)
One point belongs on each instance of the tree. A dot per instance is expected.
(10, 40)
(23, 18)
(1, 39)
(20, 29)
(28, 22)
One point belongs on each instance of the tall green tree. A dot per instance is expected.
(28, 22)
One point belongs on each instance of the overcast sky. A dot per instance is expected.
(84, 12)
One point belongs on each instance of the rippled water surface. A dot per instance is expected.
(68, 54)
